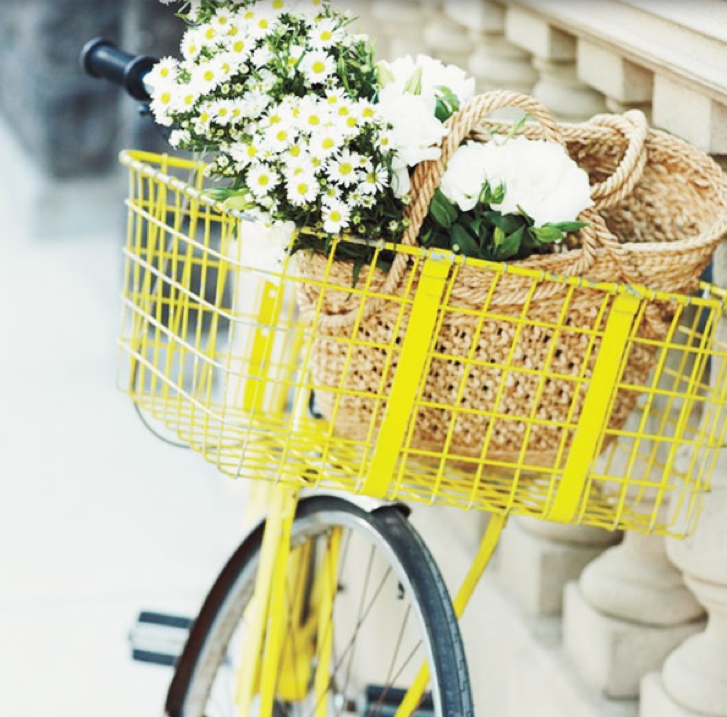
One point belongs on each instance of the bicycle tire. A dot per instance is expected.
(386, 528)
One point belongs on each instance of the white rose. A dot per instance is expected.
(466, 174)
(416, 133)
(539, 177)
(542, 179)
(434, 76)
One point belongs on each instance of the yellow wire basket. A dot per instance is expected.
(218, 354)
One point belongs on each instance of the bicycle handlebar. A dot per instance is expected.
(101, 58)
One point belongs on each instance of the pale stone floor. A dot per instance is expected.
(98, 519)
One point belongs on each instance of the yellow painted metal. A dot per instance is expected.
(261, 649)
(427, 301)
(479, 565)
(299, 643)
(206, 325)
(329, 587)
(594, 415)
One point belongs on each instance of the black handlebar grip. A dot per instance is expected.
(101, 58)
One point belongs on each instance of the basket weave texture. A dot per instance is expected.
(660, 211)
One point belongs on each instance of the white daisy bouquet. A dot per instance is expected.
(308, 131)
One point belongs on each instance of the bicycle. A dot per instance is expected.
(220, 356)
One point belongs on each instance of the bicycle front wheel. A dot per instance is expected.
(389, 613)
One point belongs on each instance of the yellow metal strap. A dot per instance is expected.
(411, 363)
(595, 407)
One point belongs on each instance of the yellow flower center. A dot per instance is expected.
(282, 135)
(263, 24)
(164, 72)
(204, 117)
(335, 216)
(209, 75)
(210, 34)
(263, 180)
(295, 151)
(368, 112)
(319, 67)
(328, 143)
(251, 151)
(222, 112)
(314, 119)
(239, 46)
(351, 121)
(166, 98)
(303, 188)
(278, 4)
(222, 20)
(345, 168)
(343, 111)
(188, 100)
(326, 35)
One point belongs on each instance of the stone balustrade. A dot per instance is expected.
(643, 599)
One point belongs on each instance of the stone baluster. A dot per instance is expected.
(689, 114)
(446, 35)
(495, 62)
(693, 681)
(554, 58)
(625, 85)
(538, 559)
(630, 607)
(401, 26)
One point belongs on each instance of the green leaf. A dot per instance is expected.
(414, 84)
(510, 245)
(442, 210)
(507, 222)
(384, 75)
(463, 242)
(546, 234)
(567, 227)
(498, 237)
(517, 126)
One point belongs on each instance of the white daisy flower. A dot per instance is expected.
(192, 44)
(332, 193)
(336, 216)
(209, 35)
(325, 33)
(317, 66)
(295, 52)
(302, 188)
(162, 107)
(261, 180)
(262, 56)
(245, 153)
(312, 114)
(221, 111)
(164, 72)
(255, 103)
(325, 142)
(180, 138)
(209, 75)
(222, 20)
(366, 112)
(334, 98)
(354, 198)
(185, 98)
(279, 137)
(260, 23)
(343, 168)
(375, 180)
(203, 120)
(239, 46)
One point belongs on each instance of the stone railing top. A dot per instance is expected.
(686, 41)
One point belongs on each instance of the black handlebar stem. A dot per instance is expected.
(101, 58)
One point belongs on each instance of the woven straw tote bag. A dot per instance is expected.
(660, 212)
